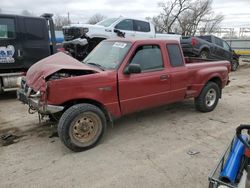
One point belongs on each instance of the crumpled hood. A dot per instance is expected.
(38, 72)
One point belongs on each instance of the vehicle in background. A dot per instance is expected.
(209, 47)
(80, 39)
(23, 41)
(118, 77)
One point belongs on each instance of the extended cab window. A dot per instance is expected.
(175, 55)
(34, 28)
(125, 25)
(148, 57)
(141, 26)
(7, 28)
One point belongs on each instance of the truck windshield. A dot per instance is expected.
(108, 54)
(107, 22)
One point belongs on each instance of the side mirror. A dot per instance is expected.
(119, 33)
(133, 69)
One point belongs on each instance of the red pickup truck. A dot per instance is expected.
(118, 77)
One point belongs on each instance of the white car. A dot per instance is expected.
(80, 39)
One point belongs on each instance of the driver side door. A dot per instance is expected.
(126, 26)
(147, 89)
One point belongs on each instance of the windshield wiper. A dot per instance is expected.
(97, 65)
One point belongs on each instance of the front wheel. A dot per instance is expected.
(208, 98)
(81, 127)
(234, 65)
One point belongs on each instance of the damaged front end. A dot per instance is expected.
(34, 88)
(36, 100)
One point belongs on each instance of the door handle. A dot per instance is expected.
(19, 54)
(163, 77)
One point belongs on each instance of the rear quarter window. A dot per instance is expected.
(141, 26)
(175, 55)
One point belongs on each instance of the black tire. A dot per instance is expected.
(71, 129)
(234, 65)
(204, 54)
(1, 88)
(202, 101)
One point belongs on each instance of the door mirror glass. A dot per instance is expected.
(133, 69)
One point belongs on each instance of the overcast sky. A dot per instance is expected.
(237, 12)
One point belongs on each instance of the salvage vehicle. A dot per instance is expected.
(209, 47)
(118, 77)
(81, 39)
(24, 40)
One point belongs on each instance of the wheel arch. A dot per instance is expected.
(70, 103)
(205, 48)
(218, 81)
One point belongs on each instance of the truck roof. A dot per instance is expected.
(134, 40)
(16, 15)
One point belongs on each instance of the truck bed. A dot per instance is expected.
(196, 67)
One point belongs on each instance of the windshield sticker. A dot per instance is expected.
(3, 31)
(6, 54)
(120, 45)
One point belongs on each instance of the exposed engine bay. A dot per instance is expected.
(65, 73)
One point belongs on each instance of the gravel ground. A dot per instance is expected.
(147, 149)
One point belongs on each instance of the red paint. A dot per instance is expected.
(129, 93)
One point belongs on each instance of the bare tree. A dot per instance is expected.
(199, 15)
(170, 13)
(186, 16)
(61, 21)
(212, 24)
(96, 18)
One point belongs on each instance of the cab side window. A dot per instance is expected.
(226, 46)
(175, 55)
(148, 57)
(218, 42)
(7, 28)
(125, 25)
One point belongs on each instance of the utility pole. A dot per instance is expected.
(68, 18)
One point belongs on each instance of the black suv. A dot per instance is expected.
(209, 47)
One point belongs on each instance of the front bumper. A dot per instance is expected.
(35, 104)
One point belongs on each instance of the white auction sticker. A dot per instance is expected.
(120, 45)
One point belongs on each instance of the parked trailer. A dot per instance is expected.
(240, 46)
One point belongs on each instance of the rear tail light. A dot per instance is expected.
(194, 41)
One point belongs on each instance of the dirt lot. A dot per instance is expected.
(147, 149)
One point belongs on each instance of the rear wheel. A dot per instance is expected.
(204, 54)
(208, 98)
(81, 127)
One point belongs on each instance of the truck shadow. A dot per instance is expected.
(129, 124)
(8, 95)
(150, 118)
